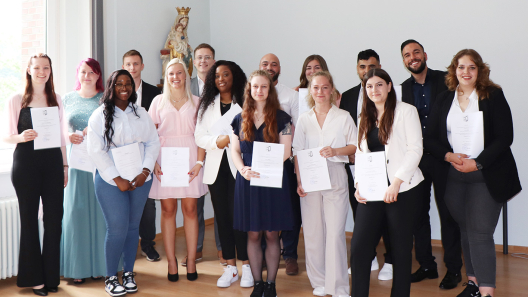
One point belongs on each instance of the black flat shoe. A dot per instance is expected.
(192, 276)
(422, 274)
(173, 277)
(450, 281)
(52, 289)
(97, 278)
(40, 292)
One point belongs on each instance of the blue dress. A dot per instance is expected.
(83, 224)
(261, 208)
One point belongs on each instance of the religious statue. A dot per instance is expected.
(177, 44)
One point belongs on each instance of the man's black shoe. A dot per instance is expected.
(450, 280)
(151, 254)
(422, 274)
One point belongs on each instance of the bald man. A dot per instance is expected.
(289, 102)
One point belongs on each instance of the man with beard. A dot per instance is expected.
(421, 90)
(352, 101)
(289, 102)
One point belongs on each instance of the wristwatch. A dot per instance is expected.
(479, 166)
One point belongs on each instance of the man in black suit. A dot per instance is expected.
(351, 101)
(421, 90)
(133, 62)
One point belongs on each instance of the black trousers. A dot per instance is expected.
(147, 225)
(354, 204)
(367, 232)
(39, 174)
(234, 242)
(290, 238)
(435, 172)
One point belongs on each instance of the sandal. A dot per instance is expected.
(79, 281)
(97, 278)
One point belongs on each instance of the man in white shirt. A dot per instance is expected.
(133, 63)
(204, 58)
(289, 102)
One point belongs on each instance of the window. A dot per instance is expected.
(22, 34)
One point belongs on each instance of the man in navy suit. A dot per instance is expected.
(133, 62)
(421, 90)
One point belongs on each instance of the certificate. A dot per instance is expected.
(371, 175)
(398, 91)
(314, 170)
(467, 133)
(79, 158)
(223, 125)
(175, 166)
(303, 101)
(47, 124)
(127, 160)
(268, 161)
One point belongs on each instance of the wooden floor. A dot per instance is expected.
(512, 278)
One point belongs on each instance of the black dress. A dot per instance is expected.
(261, 208)
(38, 174)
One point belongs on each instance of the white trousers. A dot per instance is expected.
(324, 215)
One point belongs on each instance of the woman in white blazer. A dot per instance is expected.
(223, 90)
(393, 127)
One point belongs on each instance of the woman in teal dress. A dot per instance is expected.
(83, 225)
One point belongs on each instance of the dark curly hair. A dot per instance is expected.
(109, 105)
(210, 90)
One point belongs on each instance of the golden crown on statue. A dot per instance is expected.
(183, 10)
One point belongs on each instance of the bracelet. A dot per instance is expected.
(146, 176)
(65, 166)
(199, 162)
(148, 170)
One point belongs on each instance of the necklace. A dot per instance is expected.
(225, 104)
(258, 119)
(321, 113)
(177, 101)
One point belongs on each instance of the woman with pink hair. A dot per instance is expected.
(83, 225)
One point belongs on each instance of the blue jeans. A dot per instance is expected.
(122, 212)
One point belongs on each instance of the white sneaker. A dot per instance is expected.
(375, 264)
(230, 276)
(247, 277)
(113, 287)
(319, 291)
(385, 272)
(349, 270)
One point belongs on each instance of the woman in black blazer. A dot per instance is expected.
(478, 185)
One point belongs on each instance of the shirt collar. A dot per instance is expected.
(140, 87)
(427, 75)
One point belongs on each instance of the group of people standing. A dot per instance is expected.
(101, 215)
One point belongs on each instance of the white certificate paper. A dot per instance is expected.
(223, 125)
(47, 124)
(371, 175)
(467, 134)
(127, 160)
(314, 170)
(268, 161)
(398, 91)
(175, 166)
(303, 101)
(79, 158)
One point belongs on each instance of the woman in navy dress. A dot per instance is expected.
(261, 211)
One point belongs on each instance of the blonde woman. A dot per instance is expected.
(173, 114)
(332, 128)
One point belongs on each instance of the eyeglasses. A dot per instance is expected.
(206, 58)
(120, 86)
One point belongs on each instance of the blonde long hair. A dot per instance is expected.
(167, 88)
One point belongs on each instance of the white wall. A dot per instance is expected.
(144, 26)
(243, 31)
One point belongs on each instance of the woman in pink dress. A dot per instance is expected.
(173, 114)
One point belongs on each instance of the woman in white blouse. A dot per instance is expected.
(392, 127)
(324, 213)
(119, 122)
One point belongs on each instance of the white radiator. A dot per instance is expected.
(9, 237)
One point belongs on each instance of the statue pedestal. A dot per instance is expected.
(160, 85)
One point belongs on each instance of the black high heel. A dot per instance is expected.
(192, 276)
(173, 277)
(41, 292)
